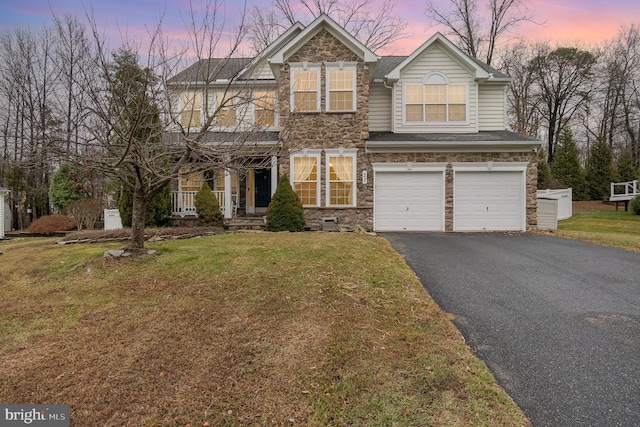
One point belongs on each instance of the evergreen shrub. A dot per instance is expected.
(208, 208)
(634, 205)
(285, 211)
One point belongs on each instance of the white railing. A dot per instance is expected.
(624, 190)
(183, 202)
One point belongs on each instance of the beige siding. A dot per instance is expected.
(379, 108)
(491, 105)
(262, 72)
(436, 59)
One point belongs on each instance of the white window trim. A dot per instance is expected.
(341, 152)
(305, 66)
(423, 83)
(191, 97)
(219, 97)
(341, 66)
(275, 107)
(307, 153)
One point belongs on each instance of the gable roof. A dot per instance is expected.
(284, 38)
(208, 70)
(480, 70)
(323, 22)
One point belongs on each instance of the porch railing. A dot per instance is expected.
(624, 190)
(183, 203)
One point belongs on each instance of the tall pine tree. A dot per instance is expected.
(566, 166)
(600, 172)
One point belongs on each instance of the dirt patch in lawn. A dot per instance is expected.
(593, 205)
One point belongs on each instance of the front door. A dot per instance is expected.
(263, 187)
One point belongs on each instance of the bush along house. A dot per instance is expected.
(385, 143)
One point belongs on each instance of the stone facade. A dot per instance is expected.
(328, 130)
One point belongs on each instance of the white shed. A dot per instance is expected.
(3, 193)
(564, 198)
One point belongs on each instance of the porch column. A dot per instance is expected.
(228, 201)
(274, 174)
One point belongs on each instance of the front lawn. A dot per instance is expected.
(282, 329)
(602, 226)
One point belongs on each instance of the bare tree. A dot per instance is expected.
(522, 102)
(138, 133)
(375, 24)
(71, 54)
(474, 34)
(564, 79)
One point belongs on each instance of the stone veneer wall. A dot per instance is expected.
(531, 175)
(326, 130)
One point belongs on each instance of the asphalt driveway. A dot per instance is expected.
(556, 321)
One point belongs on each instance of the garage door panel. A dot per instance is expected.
(488, 200)
(408, 201)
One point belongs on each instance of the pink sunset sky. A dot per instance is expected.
(563, 21)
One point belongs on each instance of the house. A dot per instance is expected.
(386, 143)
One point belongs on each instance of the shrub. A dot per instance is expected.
(285, 211)
(208, 208)
(51, 223)
(67, 185)
(634, 205)
(85, 212)
(158, 212)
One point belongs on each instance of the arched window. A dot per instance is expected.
(435, 100)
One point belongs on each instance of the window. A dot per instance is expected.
(189, 180)
(305, 168)
(435, 101)
(305, 83)
(341, 175)
(341, 84)
(265, 108)
(226, 109)
(191, 102)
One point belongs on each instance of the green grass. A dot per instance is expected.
(313, 329)
(606, 227)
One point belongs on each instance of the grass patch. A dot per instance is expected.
(618, 229)
(245, 329)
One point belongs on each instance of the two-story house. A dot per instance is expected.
(386, 143)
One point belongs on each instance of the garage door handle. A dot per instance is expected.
(407, 208)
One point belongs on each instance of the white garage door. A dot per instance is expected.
(411, 201)
(491, 201)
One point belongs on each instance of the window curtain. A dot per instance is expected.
(302, 168)
(342, 189)
(343, 168)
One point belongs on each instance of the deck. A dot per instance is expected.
(622, 192)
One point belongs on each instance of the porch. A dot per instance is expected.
(243, 194)
(623, 192)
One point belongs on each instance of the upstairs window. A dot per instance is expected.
(305, 87)
(265, 108)
(226, 109)
(341, 86)
(191, 103)
(435, 101)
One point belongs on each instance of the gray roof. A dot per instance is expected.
(388, 63)
(228, 137)
(211, 69)
(484, 136)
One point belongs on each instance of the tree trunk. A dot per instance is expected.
(137, 219)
